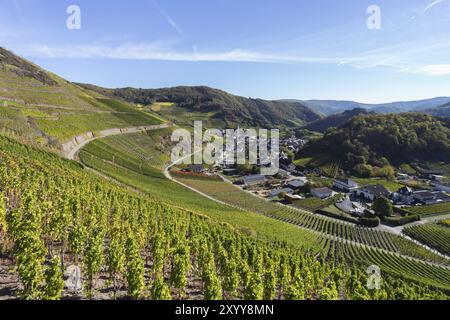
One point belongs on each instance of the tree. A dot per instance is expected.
(382, 207)
(282, 195)
(54, 283)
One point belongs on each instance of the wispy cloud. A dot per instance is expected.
(154, 51)
(399, 57)
(168, 18)
(432, 4)
(434, 70)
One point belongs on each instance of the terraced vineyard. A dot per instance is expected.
(375, 238)
(435, 209)
(129, 168)
(394, 264)
(48, 109)
(434, 235)
(369, 246)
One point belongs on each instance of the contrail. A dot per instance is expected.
(431, 5)
(169, 19)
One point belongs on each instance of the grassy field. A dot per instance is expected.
(183, 117)
(390, 185)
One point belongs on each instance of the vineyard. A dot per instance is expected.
(435, 209)
(373, 238)
(434, 235)
(154, 183)
(54, 214)
(323, 228)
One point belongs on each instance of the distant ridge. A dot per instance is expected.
(329, 107)
(335, 120)
(221, 106)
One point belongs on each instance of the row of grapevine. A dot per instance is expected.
(305, 219)
(434, 235)
(54, 215)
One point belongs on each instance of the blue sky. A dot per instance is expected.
(303, 49)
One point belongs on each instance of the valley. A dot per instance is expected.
(86, 182)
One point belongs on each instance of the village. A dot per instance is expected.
(309, 188)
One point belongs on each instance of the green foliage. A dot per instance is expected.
(160, 290)
(380, 140)
(135, 269)
(229, 109)
(382, 207)
(54, 283)
(434, 235)
(434, 209)
(115, 257)
(93, 257)
(97, 211)
(181, 266)
(400, 221)
(369, 222)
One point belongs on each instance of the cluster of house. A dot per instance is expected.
(407, 196)
(403, 196)
(292, 144)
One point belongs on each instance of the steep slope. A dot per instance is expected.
(221, 107)
(42, 108)
(335, 120)
(379, 140)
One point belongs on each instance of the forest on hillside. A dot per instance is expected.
(369, 141)
(231, 109)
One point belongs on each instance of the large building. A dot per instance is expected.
(372, 192)
(426, 197)
(322, 193)
(345, 185)
(254, 180)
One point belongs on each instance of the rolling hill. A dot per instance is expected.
(442, 111)
(218, 106)
(370, 140)
(335, 120)
(40, 107)
(330, 107)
